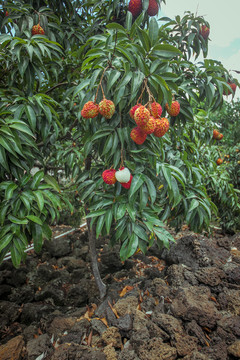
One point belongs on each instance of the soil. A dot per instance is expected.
(178, 304)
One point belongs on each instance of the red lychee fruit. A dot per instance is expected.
(6, 13)
(138, 136)
(215, 134)
(128, 184)
(106, 108)
(150, 126)
(155, 110)
(135, 7)
(174, 110)
(90, 110)
(162, 126)
(141, 116)
(152, 8)
(219, 161)
(109, 176)
(220, 136)
(204, 31)
(37, 30)
(233, 86)
(133, 109)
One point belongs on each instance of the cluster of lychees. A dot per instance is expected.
(135, 7)
(217, 135)
(106, 108)
(37, 30)
(149, 121)
(123, 175)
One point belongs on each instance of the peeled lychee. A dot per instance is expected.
(135, 7)
(150, 126)
(141, 116)
(106, 108)
(133, 109)
(123, 175)
(90, 110)
(162, 126)
(37, 30)
(155, 110)
(109, 176)
(138, 136)
(174, 110)
(152, 8)
(204, 31)
(128, 184)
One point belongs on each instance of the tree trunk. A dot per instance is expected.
(93, 253)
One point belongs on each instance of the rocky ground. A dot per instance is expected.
(177, 304)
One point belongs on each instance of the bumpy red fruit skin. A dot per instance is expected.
(138, 136)
(174, 110)
(109, 176)
(133, 109)
(128, 184)
(150, 126)
(37, 30)
(155, 110)
(219, 161)
(135, 7)
(90, 110)
(233, 87)
(6, 13)
(141, 116)
(204, 31)
(220, 136)
(106, 108)
(162, 126)
(215, 134)
(152, 8)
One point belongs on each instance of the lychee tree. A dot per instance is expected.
(89, 98)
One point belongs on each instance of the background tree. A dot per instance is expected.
(90, 51)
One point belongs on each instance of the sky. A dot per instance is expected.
(223, 17)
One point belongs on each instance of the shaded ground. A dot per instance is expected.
(181, 304)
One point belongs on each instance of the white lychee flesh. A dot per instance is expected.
(123, 176)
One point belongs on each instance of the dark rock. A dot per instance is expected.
(110, 259)
(230, 324)
(192, 328)
(22, 295)
(216, 351)
(58, 247)
(168, 323)
(234, 349)
(32, 312)
(98, 326)
(229, 299)
(30, 332)
(124, 323)
(225, 242)
(13, 349)
(40, 345)
(9, 312)
(154, 349)
(18, 277)
(233, 276)
(5, 290)
(210, 276)
(126, 305)
(77, 352)
(139, 337)
(112, 336)
(184, 344)
(59, 325)
(77, 295)
(180, 275)
(50, 292)
(196, 356)
(127, 354)
(71, 263)
(76, 333)
(193, 303)
(77, 275)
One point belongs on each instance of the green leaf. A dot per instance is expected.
(37, 179)
(153, 31)
(140, 232)
(39, 198)
(52, 181)
(133, 245)
(9, 190)
(137, 182)
(151, 189)
(99, 226)
(35, 219)
(95, 213)
(108, 220)
(15, 256)
(121, 211)
(15, 220)
(5, 241)
(167, 175)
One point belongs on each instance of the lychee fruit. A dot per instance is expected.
(128, 184)
(220, 136)
(155, 110)
(106, 108)
(141, 116)
(233, 86)
(219, 161)
(37, 30)
(215, 134)
(133, 109)
(162, 126)
(6, 13)
(204, 31)
(152, 8)
(150, 126)
(174, 110)
(138, 136)
(123, 175)
(90, 110)
(109, 176)
(135, 7)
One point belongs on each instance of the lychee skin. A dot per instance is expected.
(128, 184)
(141, 116)
(150, 126)
(133, 109)
(152, 8)
(155, 110)
(135, 7)
(215, 134)
(138, 136)
(6, 13)
(174, 110)
(37, 30)
(220, 136)
(106, 108)
(162, 126)
(233, 86)
(204, 31)
(109, 176)
(90, 110)
(219, 161)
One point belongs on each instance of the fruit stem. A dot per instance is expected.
(100, 82)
